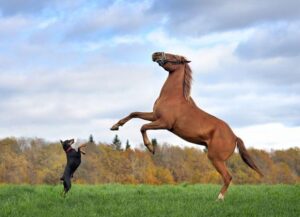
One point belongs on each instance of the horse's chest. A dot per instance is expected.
(163, 108)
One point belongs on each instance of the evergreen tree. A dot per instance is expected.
(127, 145)
(154, 142)
(91, 139)
(116, 144)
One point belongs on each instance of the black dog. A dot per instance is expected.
(73, 162)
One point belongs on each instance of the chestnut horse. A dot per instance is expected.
(175, 110)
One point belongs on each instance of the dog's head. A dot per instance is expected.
(67, 143)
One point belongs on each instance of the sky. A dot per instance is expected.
(71, 68)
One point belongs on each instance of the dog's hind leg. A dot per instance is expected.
(67, 184)
(67, 179)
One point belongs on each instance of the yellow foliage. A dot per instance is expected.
(43, 162)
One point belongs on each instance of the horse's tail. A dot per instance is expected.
(246, 157)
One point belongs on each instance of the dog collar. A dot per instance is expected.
(69, 149)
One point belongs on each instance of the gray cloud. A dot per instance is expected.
(252, 92)
(37, 7)
(114, 19)
(270, 42)
(243, 104)
(13, 7)
(193, 17)
(277, 72)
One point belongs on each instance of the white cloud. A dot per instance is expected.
(270, 136)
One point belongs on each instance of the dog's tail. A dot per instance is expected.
(246, 157)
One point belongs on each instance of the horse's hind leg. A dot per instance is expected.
(148, 116)
(222, 169)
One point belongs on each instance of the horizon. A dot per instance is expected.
(27, 140)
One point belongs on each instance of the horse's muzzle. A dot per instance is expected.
(159, 57)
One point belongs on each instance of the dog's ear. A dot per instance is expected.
(61, 141)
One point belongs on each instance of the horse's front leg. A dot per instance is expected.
(155, 125)
(148, 116)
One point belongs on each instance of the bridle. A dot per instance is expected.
(163, 60)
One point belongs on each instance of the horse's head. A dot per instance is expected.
(169, 62)
(67, 143)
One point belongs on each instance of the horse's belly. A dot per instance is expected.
(189, 135)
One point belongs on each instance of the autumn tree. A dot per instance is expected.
(36, 161)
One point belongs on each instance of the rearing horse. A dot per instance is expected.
(175, 110)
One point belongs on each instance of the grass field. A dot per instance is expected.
(149, 201)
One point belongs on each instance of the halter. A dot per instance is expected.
(163, 60)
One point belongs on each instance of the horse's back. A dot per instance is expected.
(197, 126)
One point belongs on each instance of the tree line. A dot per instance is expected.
(35, 161)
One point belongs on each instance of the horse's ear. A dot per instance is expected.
(61, 141)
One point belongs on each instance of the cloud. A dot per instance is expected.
(115, 19)
(38, 8)
(195, 17)
(74, 96)
(250, 105)
(271, 42)
(12, 28)
(69, 70)
(270, 136)
(14, 7)
(250, 92)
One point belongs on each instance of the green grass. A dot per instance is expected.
(149, 201)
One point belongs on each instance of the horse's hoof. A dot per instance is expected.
(115, 127)
(220, 198)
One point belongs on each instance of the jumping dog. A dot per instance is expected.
(73, 162)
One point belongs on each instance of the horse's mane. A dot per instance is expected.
(187, 81)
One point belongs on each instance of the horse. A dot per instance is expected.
(176, 111)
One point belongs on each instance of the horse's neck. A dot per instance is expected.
(173, 86)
